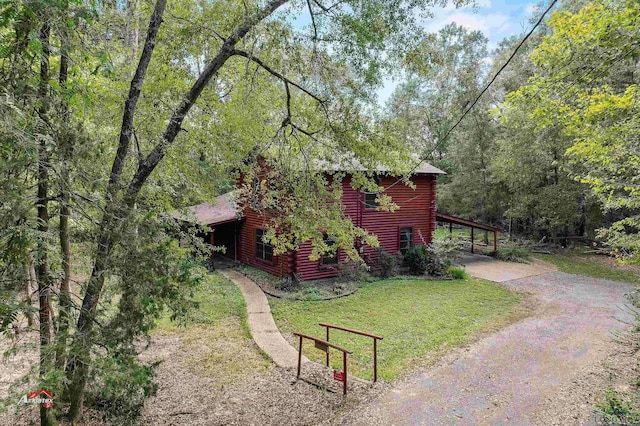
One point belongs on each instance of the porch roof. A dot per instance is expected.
(223, 210)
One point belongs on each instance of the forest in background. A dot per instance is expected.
(114, 114)
(551, 149)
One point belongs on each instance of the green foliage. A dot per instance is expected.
(416, 258)
(119, 388)
(590, 265)
(444, 75)
(448, 248)
(415, 317)
(215, 300)
(388, 264)
(8, 315)
(514, 251)
(457, 273)
(434, 259)
(581, 109)
(311, 293)
(614, 409)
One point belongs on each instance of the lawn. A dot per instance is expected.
(218, 299)
(215, 341)
(415, 317)
(591, 265)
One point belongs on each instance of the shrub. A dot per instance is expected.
(311, 293)
(388, 264)
(514, 251)
(119, 388)
(416, 259)
(457, 273)
(437, 263)
(447, 248)
(352, 272)
(616, 410)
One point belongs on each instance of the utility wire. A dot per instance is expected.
(513, 54)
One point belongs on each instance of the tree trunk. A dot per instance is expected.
(65, 146)
(42, 272)
(28, 288)
(119, 208)
(112, 221)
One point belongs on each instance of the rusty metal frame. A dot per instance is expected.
(328, 345)
(361, 333)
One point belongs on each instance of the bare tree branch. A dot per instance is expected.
(132, 100)
(276, 74)
(313, 22)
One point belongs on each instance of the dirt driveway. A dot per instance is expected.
(488, 268)
(544, 370)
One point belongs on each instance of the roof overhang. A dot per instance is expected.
(223, 210)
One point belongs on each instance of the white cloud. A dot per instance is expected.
(531, 8)
(489, 23)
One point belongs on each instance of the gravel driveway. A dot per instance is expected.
(528, 373)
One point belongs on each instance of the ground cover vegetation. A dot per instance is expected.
(578, 262)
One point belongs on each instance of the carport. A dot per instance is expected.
(451, 220)
(224, 220)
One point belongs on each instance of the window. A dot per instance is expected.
(371, 198)
(406, 239)
(264, 251)
(332, 257)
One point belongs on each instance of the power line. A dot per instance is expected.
(513, 54)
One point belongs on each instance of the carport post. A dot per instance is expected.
(472, 240)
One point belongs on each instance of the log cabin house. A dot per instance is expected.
(240, 231)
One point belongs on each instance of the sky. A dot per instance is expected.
(497, 19)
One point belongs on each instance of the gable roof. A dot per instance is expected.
(225, 208)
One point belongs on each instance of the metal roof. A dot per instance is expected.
(424, 168)
(441, 217)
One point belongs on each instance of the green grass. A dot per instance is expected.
(441, 233)
(591, 265)
(415, 317)
(215, 341)
(217, 298)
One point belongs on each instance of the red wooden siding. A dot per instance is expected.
(280, 265)
(307, 269)
(417, 210)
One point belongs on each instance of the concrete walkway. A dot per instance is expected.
(261, 324)
(488, 268)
